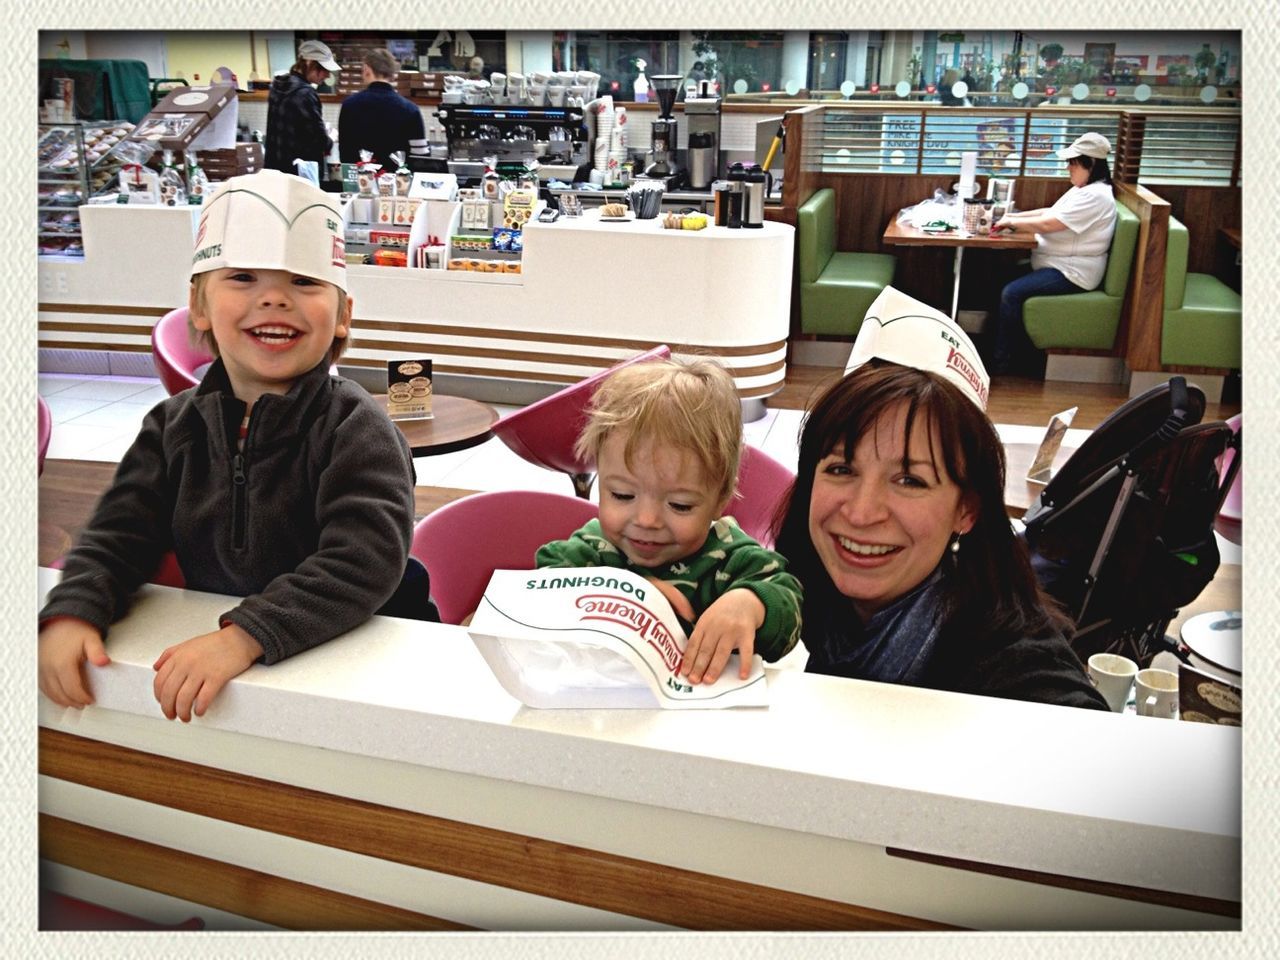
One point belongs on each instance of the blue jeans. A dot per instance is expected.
(1011, 340)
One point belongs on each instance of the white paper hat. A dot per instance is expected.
(903, 330)
(272, 221)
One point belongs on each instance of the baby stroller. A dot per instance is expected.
(1123, 535)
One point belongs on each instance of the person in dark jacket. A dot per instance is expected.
(272, 480)
(295, 126)
(377, 118)
(896, 526)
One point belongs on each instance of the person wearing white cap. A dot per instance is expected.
(271, 480)
(295, 126)
(1073, 238)
(896, 526)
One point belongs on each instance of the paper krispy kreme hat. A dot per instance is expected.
(320, 53)
(272, 221)
(1087, 145)
(903, 330)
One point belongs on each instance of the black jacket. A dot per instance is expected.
(295, 125)
(974, 660)
(381, 121)
(310, 523)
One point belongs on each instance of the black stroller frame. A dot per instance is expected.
(1123, 536)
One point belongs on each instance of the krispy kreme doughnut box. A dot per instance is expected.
(595, 637)
(409, 389)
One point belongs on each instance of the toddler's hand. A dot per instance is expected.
(190, 674)
(730, 622)
(63, 645)
(679, 602)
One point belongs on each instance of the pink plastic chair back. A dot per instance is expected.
(463, 542)
(175, 359)
(1232, 506)
(762, 483)
(544, 432)
(44, 430)
(60, 912)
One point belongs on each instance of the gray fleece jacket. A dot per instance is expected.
(310, 522)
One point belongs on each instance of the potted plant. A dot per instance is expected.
(1051, 53)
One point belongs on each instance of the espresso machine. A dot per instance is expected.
(554, 139)
(702, 159)
(665, 128)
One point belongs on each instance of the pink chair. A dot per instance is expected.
(544, 432)
(762, 483)
(175, 358)
(44, 429)
(60, 912)
(463, 542)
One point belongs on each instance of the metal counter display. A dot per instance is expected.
(717, 291)
(385, 780)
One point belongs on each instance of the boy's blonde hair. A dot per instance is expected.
(691, 406)
(204, 338)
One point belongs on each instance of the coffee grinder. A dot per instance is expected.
(664, 139)
(703, 155)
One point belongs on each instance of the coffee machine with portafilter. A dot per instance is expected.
(702, 158)
(664, 139)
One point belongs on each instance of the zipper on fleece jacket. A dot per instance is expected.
(239, 500)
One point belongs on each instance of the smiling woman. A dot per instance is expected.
(896, 527)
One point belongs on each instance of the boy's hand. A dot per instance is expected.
(190, 674)
(64, 644)
(732, 621)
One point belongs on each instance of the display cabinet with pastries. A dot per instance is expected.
(75, 161)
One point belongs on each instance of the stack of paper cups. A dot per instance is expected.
(605, 125)
(968, 166)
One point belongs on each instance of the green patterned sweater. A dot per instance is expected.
(728, 559)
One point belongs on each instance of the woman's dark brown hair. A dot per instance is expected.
(990, 582)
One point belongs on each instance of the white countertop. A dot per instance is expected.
(1132, 800)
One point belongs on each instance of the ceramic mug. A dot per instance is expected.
(1113, 676)
(1156, 693)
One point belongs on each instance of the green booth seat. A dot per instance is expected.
(1201, 313)
(836, 287)
(1087, 321)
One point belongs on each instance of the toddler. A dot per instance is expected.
(666, 438)
(272, 480)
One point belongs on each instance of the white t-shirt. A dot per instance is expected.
(1080, 251)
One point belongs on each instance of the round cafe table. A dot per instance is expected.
(457, 423)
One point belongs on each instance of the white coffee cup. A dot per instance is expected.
(1113, 676)
(1156, 693)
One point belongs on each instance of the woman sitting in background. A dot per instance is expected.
(1073, 238)
(896, 526)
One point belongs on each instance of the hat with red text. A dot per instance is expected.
(903, 330)
(272, 221)
(1087, 145)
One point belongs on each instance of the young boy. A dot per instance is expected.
(271, 480)
(666, 438)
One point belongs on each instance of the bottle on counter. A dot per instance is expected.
(197, 180)
(173, 190)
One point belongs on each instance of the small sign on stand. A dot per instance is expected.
(1042, 466)
(409, 389)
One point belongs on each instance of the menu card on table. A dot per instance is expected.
(409, 389)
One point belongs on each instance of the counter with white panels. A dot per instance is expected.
(387, 774)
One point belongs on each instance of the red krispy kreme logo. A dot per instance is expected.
(627, 613)
(339, 252)
(957, 362)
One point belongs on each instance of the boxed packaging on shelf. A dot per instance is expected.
(232, 162)
(184, 114)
